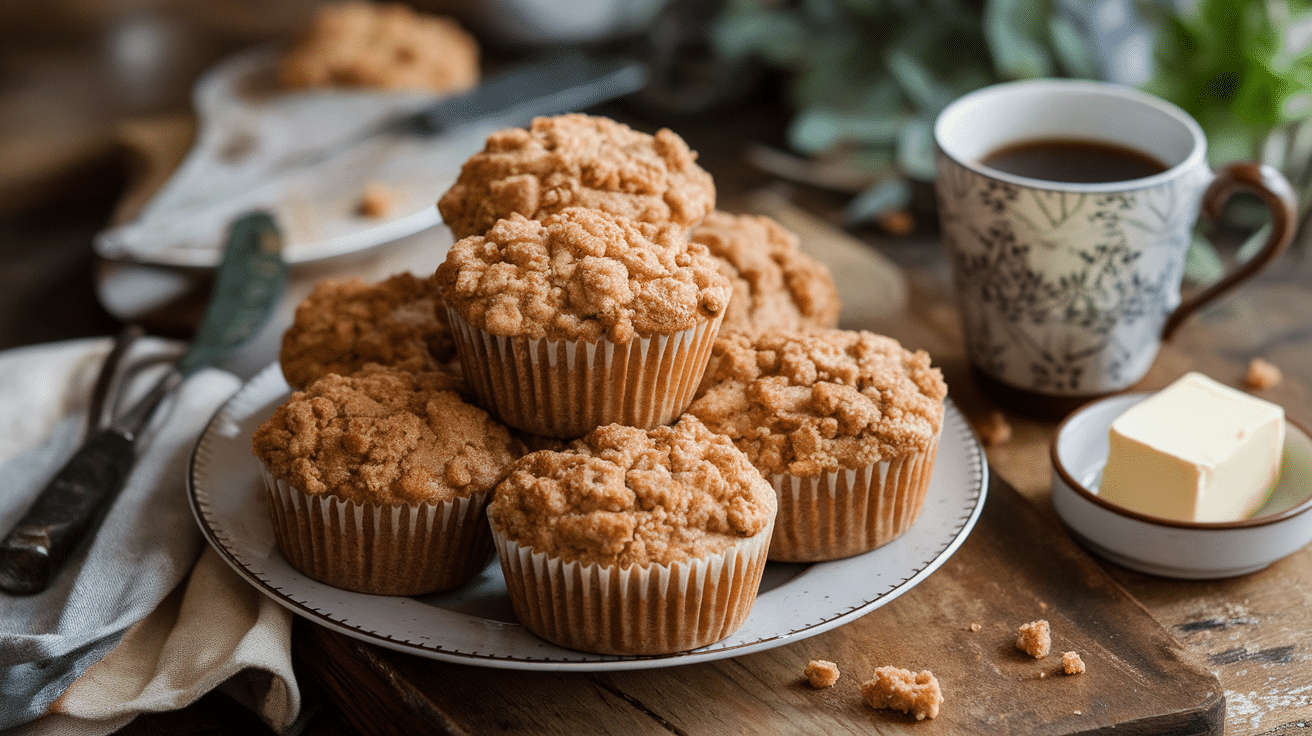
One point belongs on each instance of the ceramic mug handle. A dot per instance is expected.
(1277, 194)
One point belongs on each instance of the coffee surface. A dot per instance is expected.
(1073, 161)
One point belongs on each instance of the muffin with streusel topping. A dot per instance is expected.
(634, 542)
(844, 425)
(381, 46)
(379, 482)
(579, 160)
(582, 319)
(775, 285)
(345, 324)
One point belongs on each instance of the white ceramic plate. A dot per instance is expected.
(247, 124)
(475, 624)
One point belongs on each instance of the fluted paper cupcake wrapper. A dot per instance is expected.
(566, 388)
(846, 512)
(385, 549)
(657, 609)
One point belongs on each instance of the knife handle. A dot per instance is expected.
(31, 554)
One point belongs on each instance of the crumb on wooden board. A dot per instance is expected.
(821, 673)
(1034, 638)
(914, 693)
(993, 428)
(1072, 664)
(1262, 374)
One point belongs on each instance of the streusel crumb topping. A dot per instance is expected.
(775, 285)
(581, 274)
(821, 673)
(385, 436)
(579, 160)
(815, 401)
(381, 46)
(915, 693)
(1035, 638)
(628, 496)
(346, 323)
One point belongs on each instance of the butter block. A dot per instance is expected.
(1197, 450)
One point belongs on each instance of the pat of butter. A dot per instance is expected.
(1197, 450)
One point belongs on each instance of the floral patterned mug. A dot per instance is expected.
(1066, 290)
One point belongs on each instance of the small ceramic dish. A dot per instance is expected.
(1167, 547)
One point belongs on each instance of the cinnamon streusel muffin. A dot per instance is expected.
(346, 323)
(775, 285)
(379, 482)
(633, 541)
(582, 319)
(381, 46)
(843, 424)
(579, 160)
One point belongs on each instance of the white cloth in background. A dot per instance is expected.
(134, 623)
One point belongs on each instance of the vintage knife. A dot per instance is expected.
(568, 80)
(188, 209)
(247, 285)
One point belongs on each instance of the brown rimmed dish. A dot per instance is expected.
(1169, 547)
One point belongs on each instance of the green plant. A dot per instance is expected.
(1243, 69)
(868, 77)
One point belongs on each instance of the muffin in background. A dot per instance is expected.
(579, 160)
(844, 425)
(381, 46)
(634, 542)
(775, 285)
(379, 482)
(345, 324)
(582, 320)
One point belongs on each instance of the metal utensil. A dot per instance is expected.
(206, 190)
(566, 81)
(247, 285)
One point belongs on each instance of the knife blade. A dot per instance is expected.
(563, 82)
(247, 285)
(186, 210)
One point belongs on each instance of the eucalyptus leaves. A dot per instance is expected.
(868, 77)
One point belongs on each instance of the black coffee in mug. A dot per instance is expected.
(1073, 161)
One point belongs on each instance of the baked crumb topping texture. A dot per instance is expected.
(581, 274)
(345, 324)
(775, 285)
(1035, 638)
(381, 46)
(579, 160)
(811, 402)
(385, 436)
(915, 693)
(627, 496)
(821, 673)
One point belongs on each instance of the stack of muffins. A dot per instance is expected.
(677, 369)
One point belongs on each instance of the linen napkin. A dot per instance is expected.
(135, 622)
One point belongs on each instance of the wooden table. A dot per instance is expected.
(1233, 651)
(1249, 633)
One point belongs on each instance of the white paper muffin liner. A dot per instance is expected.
(566, 388)
(386, 549)
(657, 609)
(846, 512)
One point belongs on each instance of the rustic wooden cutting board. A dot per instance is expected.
(1015, 567)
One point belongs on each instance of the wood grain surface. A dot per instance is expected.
(1251, 631)
(1014, 568)
(1248, 631)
